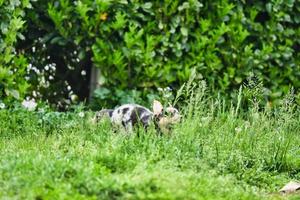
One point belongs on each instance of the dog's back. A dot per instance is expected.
(129, 115)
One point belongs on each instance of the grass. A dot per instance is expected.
(217, 152)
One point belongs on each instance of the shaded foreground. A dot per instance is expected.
(213, 154)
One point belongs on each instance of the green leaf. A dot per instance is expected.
(147, 5)
(290, 3)
(120, 21)
(13, 93)
(184, 31)
(269, 7)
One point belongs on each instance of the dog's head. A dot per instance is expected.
(165, 117)
(105, 113)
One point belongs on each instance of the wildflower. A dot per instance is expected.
(2, 105)
(52, 66)
(247, 124)
(238, 129)
(206, 120)
(29, 104)
(81, 114)
(83, 72)
(29, 66)
(34, 93)
(168, 89)
(103, 16)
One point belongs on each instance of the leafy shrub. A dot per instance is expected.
(12, 63)
(145, 45)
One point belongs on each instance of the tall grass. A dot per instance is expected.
(220, 150)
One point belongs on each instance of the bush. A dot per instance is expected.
(145, 45)
(13, 64)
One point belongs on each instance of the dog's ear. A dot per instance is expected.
(157, 107)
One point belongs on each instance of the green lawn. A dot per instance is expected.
(213, 154)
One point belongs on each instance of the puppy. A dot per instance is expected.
(129, 115)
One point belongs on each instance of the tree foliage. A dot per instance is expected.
(140, 46)
(12, 63)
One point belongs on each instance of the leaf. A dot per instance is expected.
(184, 6)
(184, 31)
(55, 40)
(147, 5)
(120, 21)
(269, 7)
(81, 54)
(123, 2)
(102, 93)
(15, 3)
(82, 9)
(160, 25)
(21, 36)
(290, 3)
(12, 92)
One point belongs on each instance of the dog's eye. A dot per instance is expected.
(172, 112)
(169, 114)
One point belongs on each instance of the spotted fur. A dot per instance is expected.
(129, 115)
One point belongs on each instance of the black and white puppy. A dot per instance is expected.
(129, 115)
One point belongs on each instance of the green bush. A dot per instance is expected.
(13, 64)
(140, 46)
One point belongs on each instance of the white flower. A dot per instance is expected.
(34, 93)
(81, 114)
(247, 124)
(168, 89)
(52, 66)
(29, 66)
(29, 104)
(83, 72)
(2, 105)
(238, 129)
